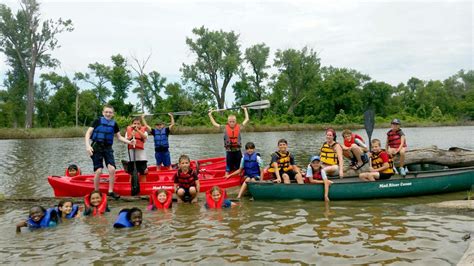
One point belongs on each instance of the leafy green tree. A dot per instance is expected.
(29, 40)
(217, 60)
(377, 95)
(298, 75)
(121, 80)
(14, 98)
(98, 78)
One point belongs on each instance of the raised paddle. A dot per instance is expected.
(369, 122)
(263, 104)
(173, 113)
(135, 184)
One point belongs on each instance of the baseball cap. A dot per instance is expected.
(396, 121)
(314, 158)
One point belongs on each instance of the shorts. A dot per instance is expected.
(101, 154)
(141, 167)
(383, 176)
(163, 157)
(232, 160)
(291, 174)
(187, 195)
(256, 177)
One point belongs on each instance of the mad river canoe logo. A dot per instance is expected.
(389, 185)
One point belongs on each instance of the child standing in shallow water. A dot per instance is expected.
(186, 182)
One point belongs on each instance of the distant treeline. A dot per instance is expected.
(301, 91)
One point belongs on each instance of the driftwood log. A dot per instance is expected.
(452, 158)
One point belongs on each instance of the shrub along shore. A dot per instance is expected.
(74, 132)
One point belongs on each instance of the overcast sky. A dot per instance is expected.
(390, 41)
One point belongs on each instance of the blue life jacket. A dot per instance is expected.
(72, 214)
(161, 139)
(104, 133)
(122, 220)
(45, 222)
(251, 166)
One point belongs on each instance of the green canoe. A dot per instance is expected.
(352, 188)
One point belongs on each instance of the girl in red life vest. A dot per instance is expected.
(316, 175)
(186, 182)
(354, 148)
(95, 203)
(160, 199)
(381, 166)
(138, 131)
(215, 199)
(397, 144)
(72, 170)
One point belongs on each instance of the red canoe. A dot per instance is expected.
(211, 173)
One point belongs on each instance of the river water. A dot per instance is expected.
(399, 231)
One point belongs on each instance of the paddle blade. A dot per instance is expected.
(258, 104)
(369, 123)
(183, 113)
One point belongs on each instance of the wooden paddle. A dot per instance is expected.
(369, 122)
(263, 104)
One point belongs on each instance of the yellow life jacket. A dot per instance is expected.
(328, 154)
(377, 162)
(283, 162)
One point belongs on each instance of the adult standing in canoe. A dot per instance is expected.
(331, 155)
(101, 133)
(232, 139)
(138, 131)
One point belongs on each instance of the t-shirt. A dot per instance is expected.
(309, 173)
(384, 156)
(189, 182)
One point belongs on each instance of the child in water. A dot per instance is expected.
(160, 199)
(316, 175)
(95, 203)
(67, 210)
(39, 218)
(215, 199)
(129, 218)
(186, 182)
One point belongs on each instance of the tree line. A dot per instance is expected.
(300, 89)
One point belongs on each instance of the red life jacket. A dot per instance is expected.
(352, 140)
(140, 142)
(394, 139)
(317, 175)
(211, 204)
(67, 172)
(155, 204)
(232, 137)
(186, 180)
(99, 209)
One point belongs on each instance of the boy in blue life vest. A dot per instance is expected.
(252, 165)
(39, 218)
(232, 139)
(101, 133)
(160, 136)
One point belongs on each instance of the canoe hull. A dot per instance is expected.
(417, 184)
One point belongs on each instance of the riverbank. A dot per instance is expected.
(73, 132)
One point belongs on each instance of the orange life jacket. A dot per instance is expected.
(155, 204)
(99, 209)
(232, 137)
(140, 142)
(211, 204)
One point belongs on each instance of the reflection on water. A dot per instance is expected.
(304, 232)
(359, 232)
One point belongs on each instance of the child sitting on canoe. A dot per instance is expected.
(354, 149)
(39, 218)
(137, 131)
(331, 155)
(72, 170)
(186, 182)
(252, 165)
(95, 203)
(160, 199)
(232, 139)
(67, 209)
(216, 199)
(316, 175)
(283, 165)
(129, 218)
(381, 165)
(160, 136)
(396, 143)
